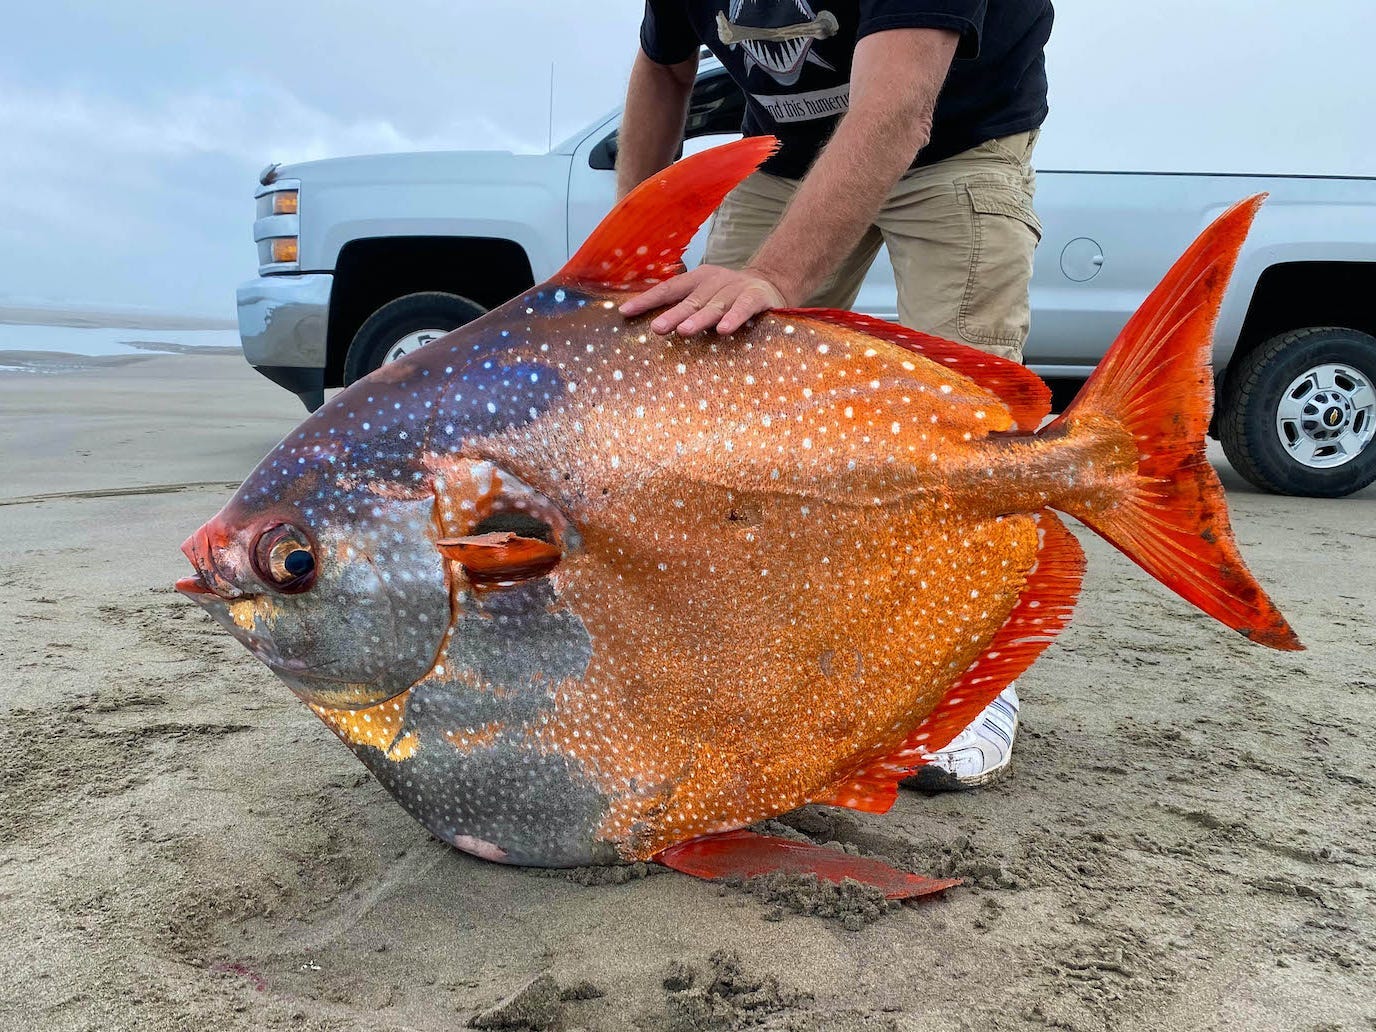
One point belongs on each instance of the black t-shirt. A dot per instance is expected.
(792, 59)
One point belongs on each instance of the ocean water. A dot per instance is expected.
(99, 342)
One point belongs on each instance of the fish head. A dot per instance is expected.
(342, 626)
(343, 623)
(324, 564)
(341, 561)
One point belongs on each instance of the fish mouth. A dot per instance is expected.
(214, 592)
(193, 585)
(200, 548)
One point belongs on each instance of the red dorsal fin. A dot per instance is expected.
(1027, 397)
(1042, 611)
(642, 239)
(744, 854)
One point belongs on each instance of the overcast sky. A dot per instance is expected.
(131, 133)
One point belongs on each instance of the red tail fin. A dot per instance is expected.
(642, 239)
(1156, 384)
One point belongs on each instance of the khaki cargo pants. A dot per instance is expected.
(960, 233)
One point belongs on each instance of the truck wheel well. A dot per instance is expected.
(1296, 295)
(371, 272)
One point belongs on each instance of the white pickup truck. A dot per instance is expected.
(363, 259)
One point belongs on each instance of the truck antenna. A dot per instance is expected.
(550, 141)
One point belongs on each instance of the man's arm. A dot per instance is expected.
(895, 78)
(652, 125)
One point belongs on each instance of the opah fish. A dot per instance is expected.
(579, 593)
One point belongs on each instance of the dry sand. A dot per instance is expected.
(1186, 841)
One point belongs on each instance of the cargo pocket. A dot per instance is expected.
(995, 310)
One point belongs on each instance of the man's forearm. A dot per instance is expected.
(834, 205)
(895, 79)
(890, 121)
(652, 125)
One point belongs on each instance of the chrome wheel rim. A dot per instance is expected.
(1327, 415)
(411, 342)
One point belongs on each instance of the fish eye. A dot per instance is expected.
(299, 562)
(285, 558)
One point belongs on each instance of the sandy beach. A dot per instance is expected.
(1185, 841)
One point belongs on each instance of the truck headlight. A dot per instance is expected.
(284, 202)
(277, 229)
(284, 249)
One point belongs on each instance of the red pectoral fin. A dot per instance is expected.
(743, 854)
(501, 556)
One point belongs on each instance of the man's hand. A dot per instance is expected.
(707, 297)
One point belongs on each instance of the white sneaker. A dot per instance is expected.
(979, 755)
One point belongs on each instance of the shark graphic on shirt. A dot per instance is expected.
(777, 35)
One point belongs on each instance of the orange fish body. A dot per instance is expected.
(681, 585)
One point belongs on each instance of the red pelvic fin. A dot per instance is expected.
(1027, 397)
(1156, 383)
(642, 239)
(1042, 611)
(744, 854)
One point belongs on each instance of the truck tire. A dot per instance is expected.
(1299, 413)
(403, 325)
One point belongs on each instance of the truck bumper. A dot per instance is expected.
(282, 325)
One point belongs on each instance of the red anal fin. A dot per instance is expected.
(1027, 397)
(642, 239)
(744, 854)
(1042, 611)
(501, 556)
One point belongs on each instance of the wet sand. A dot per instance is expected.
(1186, 841)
